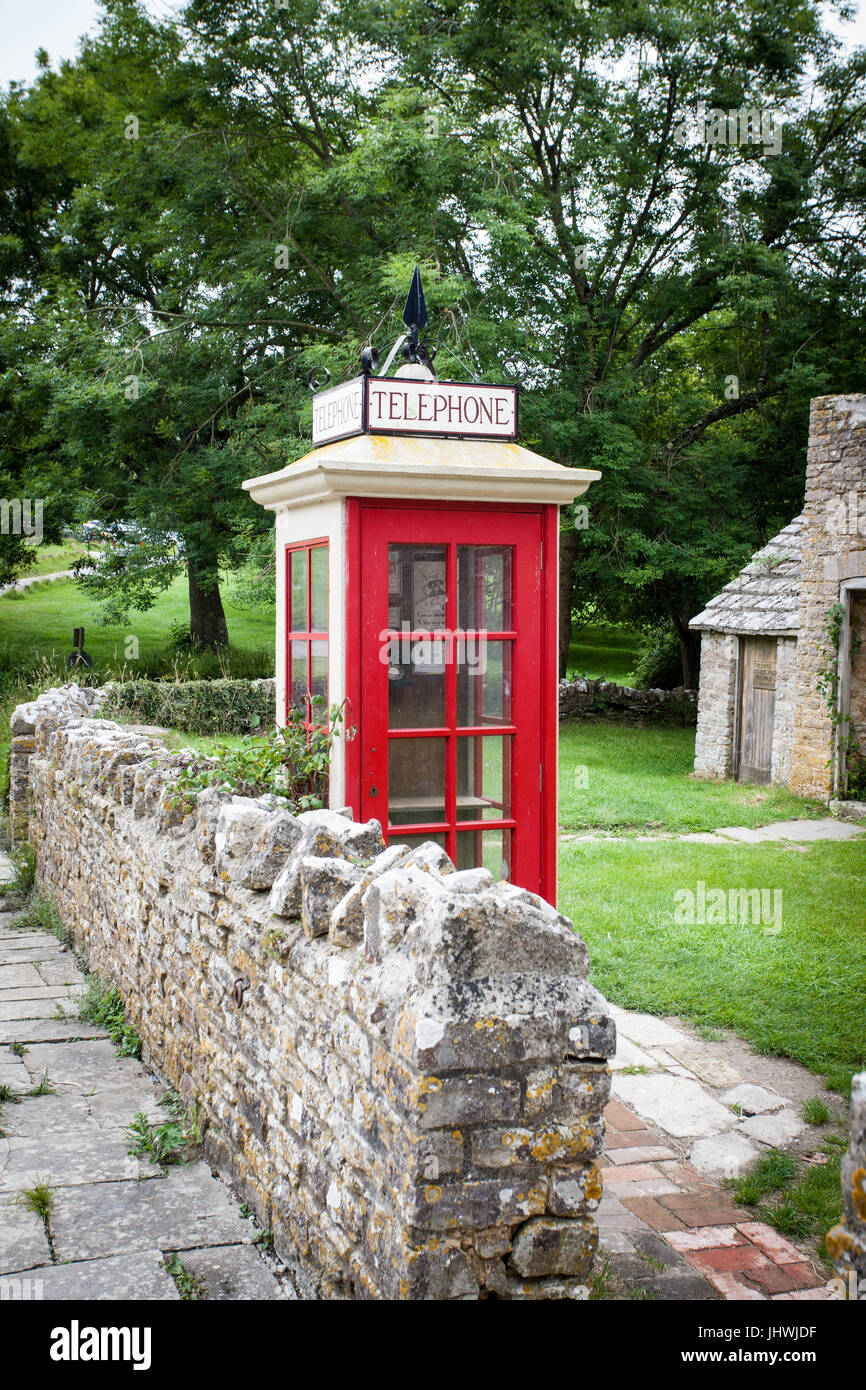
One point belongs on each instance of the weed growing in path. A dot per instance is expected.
(190, 1286)
(103, 1007)
(164, 1144)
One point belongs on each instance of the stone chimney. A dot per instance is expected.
(834, 559)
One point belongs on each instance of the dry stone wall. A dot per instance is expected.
(402, 1067)
(588, 699)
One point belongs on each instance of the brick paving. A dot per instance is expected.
(668, 1214)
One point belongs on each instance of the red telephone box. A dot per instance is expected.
(418, 589)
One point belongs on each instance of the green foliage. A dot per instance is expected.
(39, 1199)
(43, 1087)
(8, 1094)
(24, 871)
(153, 346)
(102, 1006)
(202, 707)
(816, 1111)
(291, 763)
(659, 663)
(165, 1144)
(41, 914)
(770, 1174)
(191, 1287)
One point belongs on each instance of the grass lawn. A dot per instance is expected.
(51, 559)
(797, 992)
(603, 653)
(619, 777)
(39, 622)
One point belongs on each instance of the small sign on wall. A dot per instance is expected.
(401, 405)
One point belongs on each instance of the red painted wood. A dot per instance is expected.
(549, 682)
(371, 527)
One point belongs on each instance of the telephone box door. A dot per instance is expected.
(451, 683)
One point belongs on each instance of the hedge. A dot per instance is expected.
(196, 707)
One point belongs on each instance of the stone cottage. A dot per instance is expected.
(783, 650)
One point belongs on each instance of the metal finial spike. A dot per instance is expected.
(415, 312)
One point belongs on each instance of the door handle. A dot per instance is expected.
(374, 791)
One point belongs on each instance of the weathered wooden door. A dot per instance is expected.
(756, 709)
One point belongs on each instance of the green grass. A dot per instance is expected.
(799, 1200)
(798, 992)
(51, 559)
(618, 777)
(39, 623)
(603, 653)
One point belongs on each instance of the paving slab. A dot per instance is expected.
(87, 1064)
(20, 976)
(186, 1209)
(674, 1104)
(705, 1064)
(754, 1100)
(23, 1241)
(139, 1277)
(778, 1130)
(645, 1029)
(723, 1155)
(827, 829)
(232, 1272)
(628, 1055)
(61, 972)
(41, 1030)
(75, 1157)
(39, 992)
(743, 834)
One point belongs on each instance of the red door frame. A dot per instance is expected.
(548, 710)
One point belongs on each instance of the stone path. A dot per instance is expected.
(685, 1115)
(792, 832)
(113, 1218)
(28, 579)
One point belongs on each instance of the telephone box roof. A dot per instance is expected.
(421, 468)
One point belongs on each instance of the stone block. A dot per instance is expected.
(549, 1245)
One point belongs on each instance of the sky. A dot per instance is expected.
(56, 25)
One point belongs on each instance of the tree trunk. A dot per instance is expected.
(568, 543)
(690, 652)
(207, 621)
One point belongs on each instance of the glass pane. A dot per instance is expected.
(416, 587)
(416, 683)
(319, 680)
(299, 590)
(489, 849)
(319, 589)
(483, 682)
(415, 840)
(298, 680)
(484, 778)
(484, 587)
(416, 780)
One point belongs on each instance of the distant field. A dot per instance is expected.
(603, 653)
(39, 622)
